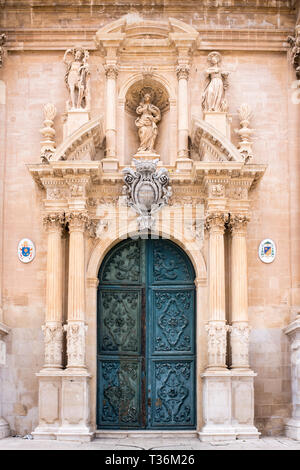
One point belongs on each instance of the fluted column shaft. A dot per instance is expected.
(216, 327)
(239, 329)
(111, 71)
(76, 291)
(182, 71)
(53, 331)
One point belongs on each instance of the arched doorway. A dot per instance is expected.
(146, 337)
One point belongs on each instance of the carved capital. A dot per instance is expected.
(54, 222)
(53, 337)
(78, 221)
(217, 340)
(111, 71)
(238, 224)
(294, 42)
(183, 71)
(215, 222)
(76, 332)
(239, 342)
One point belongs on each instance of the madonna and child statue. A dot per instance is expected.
(149, 116)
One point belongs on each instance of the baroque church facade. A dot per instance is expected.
(150, 218)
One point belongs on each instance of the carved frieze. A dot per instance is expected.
(76, 332)
(53, 337)
(239, 342)
(217, 340)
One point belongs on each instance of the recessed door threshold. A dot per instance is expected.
(136, 434)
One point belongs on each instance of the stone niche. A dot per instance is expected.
(160, 98)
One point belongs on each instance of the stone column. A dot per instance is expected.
(216, 327)
(76, 328)
(53, 330)
(292, 427)
(240, 330)
(183, 70)
(111, 71)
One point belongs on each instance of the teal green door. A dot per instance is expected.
(146, 337)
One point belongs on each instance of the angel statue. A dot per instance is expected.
(77, 76)
(146, 123)
(213, 98)
(295, 52)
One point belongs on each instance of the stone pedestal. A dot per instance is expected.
(63, 406)
(75, 119)
(228, 406)
(146, 156)
(219, 120)
(110, 165)
(184, 164)
(292, 428)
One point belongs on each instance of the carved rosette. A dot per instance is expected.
(215, 222)
(183, 71)
(53, 337)
(239, 342)
(217, 190)
(76, 332)
(78, 221)
(54, 222)
(238, 224)
(111, 71)
(217, 340)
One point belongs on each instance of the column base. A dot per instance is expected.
(228, 405)
(64, 406)
(4, 429)
(292, 429)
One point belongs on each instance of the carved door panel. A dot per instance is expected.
(171, 342)
(146, 330)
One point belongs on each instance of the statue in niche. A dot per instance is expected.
(77, 77)
(213, 98)
(146, 123)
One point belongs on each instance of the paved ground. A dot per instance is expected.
(265, 443)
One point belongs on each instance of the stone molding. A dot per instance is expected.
(53, 337)
(76, 332)
(217, 341)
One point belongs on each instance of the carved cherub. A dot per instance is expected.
(77, 76)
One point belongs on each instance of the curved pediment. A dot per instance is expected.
(83, 143)
(212, 145)
(132, 29)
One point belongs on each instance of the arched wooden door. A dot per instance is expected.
(146, 337)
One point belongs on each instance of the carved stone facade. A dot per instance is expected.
(150, 100)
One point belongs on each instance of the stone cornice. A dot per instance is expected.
(58, 39)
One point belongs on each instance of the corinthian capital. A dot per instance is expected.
(111, 71)
(238, 224)
(183, 71)
(54, 221)
(216, 222)
(78, 221)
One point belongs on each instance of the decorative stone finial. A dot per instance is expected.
(245, 145)
(48, 133)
